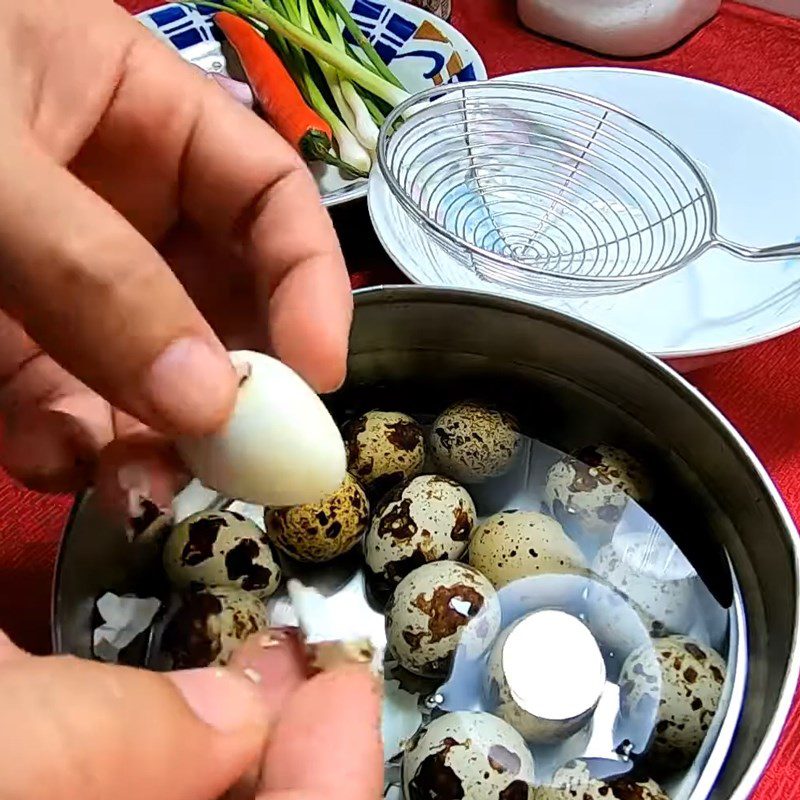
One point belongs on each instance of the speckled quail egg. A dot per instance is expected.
(384, 448)
(433, 608)
(545, 676)
(574, 782)
(322, 531)
(209, 625)
(652, 573)
(221, 548)
(468, 754)
(517, 544)
(684, 679)
(472, 442)
(429, 518)
(593, 486)
(279, 447)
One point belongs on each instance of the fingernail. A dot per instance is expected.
(324, 656)
(191, 385)
(219, 697)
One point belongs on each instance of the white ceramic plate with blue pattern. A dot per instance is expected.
(421, 49)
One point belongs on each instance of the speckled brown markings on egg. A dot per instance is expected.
(473, 441)
(191, 639)
(397, 570)
(574, 782)
(221, 549)
(240, 563)
(200, 543)
(684, 681)
(462, 528)
(384, 448)
(324, 531)
(444, 619)
(516, 790)
(434, 779)
(397, 523)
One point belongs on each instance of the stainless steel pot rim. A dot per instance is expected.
(745, 455)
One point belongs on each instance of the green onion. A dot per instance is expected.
(322, 50)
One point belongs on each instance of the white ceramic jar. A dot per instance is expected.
(626, 28)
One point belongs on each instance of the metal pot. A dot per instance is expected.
(569, 384)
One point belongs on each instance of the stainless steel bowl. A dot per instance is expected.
(569, 384)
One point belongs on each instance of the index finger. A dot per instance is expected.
(327, 741)
(241, 182)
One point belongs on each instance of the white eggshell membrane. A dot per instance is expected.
(594, 486)
(431, 610)
(574, 782)
(210, 625)
(472, 442)
(518, 544)
(384, 449)
(468, 754)
(684, 678)
(221, 549)
(281, 447)
(428, 519)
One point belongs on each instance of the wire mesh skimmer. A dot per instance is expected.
(548, 190)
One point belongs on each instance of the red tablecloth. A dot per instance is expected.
(752, 51)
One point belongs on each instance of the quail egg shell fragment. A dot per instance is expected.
(209, 626)
(433, 608)
(468, 754)
(321, 531)
(594, 485)
(472, 442)
(684, 679)
(221, 548)
(574, 781)
(280, 447)
(518, 544)
(384, 448)
(427, 519)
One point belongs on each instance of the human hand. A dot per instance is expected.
(80, 730)
(146, 219)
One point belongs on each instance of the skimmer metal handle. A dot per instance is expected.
(776, 252)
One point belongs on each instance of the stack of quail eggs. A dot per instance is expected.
(437, 562)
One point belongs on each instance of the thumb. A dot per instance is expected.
(79, 730)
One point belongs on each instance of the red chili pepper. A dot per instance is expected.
(275, 90)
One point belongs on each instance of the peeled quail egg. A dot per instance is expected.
(221, 548)
(545, 676)
(517, 544)
(431, 610)
(427, 519)
(650, 571)
(472, 442)
(684, 679)
(280, 447)
(574, 780)
(321, 531)
(384, 448)
(209, 625)
(468, 754)
(594, 485)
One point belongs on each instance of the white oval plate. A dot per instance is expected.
(751, 154)
(422, 50)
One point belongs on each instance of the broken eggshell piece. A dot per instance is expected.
(280, 447)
